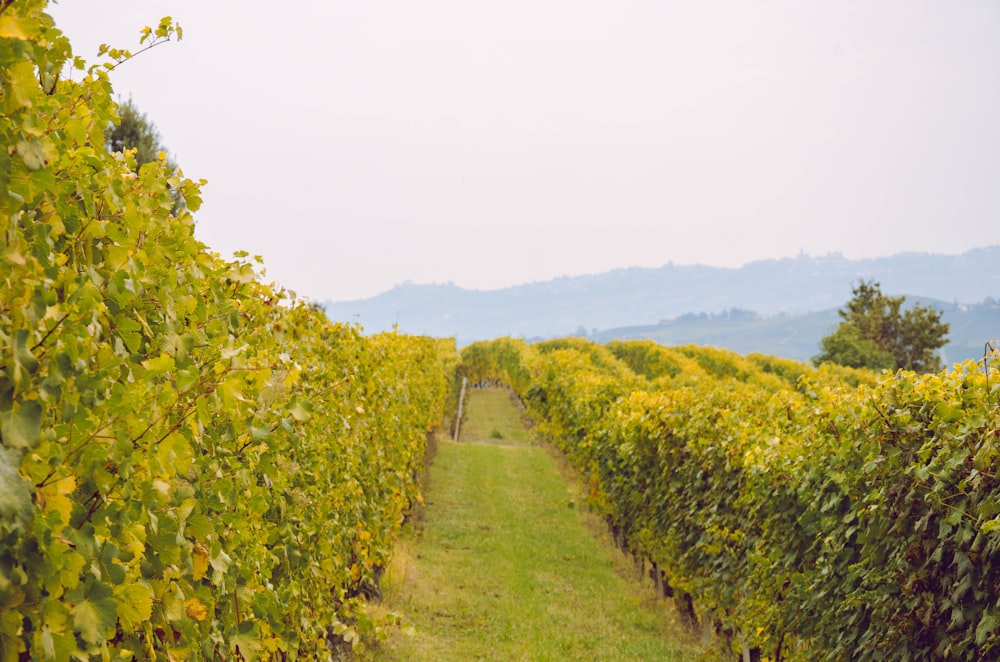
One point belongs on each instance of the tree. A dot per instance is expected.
(878, 333)
(135, 131)
(847, 346)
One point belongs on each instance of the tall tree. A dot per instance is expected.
(134, 131)
(878, 333)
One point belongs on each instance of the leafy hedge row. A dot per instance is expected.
(812, 514)
(192, 466)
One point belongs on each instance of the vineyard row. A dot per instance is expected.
(804, 514)
(193, 464)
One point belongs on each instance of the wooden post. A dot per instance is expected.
(461, 401)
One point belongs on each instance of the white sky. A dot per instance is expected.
(357, 144)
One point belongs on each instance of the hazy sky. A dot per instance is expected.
(357, 144)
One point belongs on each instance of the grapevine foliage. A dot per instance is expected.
(810, 514)
(193, 464)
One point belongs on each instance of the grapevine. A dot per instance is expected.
(805, 514)
(195, 465)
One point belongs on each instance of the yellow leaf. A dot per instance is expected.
(65, 485)
(291, 377)
(13, 27)
(134, 538)
(199, 561)
(14, 257)
(53, 497)
(195, 609)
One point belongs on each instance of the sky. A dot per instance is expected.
(359, 144)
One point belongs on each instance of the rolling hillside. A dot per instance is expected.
(798, 336)
(793, 300)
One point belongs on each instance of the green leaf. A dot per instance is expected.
(247, 641)
(15, 495)
(242, 273)
(37, 153)
(232, 389)
(186, 378)
(23, 86)
(161, 364)
(301, 411)
(221, 562)
(95, 616)
(948, 413)
(991, 525)
(22, 427)
(4, 172)
(135, 604)
(199, 526)
(22, 353)
(131, 334)
(58, 646)
(987, 626)
(172, 603)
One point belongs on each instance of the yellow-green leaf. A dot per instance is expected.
(17, 27)
(135, 604)
(161, 364)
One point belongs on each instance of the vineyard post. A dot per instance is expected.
(461, 400)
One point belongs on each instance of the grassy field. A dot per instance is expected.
(503, 564)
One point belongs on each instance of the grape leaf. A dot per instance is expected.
(135, 604)
(96, 614)
(15, 495)
(22, 426)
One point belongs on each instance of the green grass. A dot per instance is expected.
(502, 565)
(491, 415)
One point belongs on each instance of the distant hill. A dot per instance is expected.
(794, 301)
(798, 336)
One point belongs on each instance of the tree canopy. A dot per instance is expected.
(878, 333)
(134, 130)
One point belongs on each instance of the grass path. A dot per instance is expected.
(502, 565)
